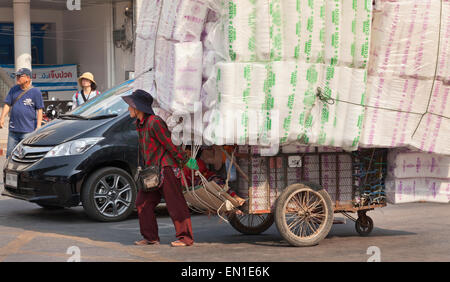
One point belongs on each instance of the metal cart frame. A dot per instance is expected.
(368, 168)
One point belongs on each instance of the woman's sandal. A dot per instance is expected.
(178, 243)
(146, 242)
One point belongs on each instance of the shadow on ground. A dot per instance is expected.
(208, 230)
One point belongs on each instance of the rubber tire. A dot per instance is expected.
(246, 230)
(281, 223)
(358, 226)
(88, 189)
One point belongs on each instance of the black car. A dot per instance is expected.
(87, 156)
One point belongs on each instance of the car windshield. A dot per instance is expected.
(108, 103)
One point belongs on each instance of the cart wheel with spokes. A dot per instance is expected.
(251, 224)
(304, 214)
(364, 225)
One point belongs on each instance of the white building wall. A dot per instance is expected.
(86, 41)
(92, 45)
(124, 59)
(85, 38)
(43, 16)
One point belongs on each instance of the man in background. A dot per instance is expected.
(25, 104)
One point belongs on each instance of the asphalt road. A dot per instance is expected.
(409, 232)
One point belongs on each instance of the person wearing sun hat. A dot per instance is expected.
(156, 147)
(88, 90)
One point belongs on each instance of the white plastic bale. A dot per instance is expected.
(332, 32)
(394, 109)
(443, 71)
(240, 30)
(183, 20)
(290, 124)
(412, 164)
(347, 39)
(312, 31)
(433, 132)
(339, 121)
(303, 30)
(405, 37)
(210, 58)
(262, 30)
(306, 81)
(354, 99)
(284, 93)
(362, 30)
(292, 26)
(146, 31)
(288, 90)
(418, 190)
(178, 75)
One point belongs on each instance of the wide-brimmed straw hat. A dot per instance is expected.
(141, 101)
(88, 76)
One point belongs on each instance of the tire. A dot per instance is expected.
(109, 194)
(316, 219)
(364, 225)
(244, 223)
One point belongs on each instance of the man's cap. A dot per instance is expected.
(140, 100)
(23, 71)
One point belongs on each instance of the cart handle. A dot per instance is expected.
(241, 172)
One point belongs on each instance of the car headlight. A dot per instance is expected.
(76, 147)
(17, 147)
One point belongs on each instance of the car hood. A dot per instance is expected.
(60, 131)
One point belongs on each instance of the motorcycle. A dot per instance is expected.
(53, 112)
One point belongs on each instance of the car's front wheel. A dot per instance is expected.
(109, 194)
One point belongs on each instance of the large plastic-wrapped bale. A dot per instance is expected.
(276, 30)
(146, 31)
(307, 80)
(304, 30)
(247, 30)
(394, 108)
(332, 32)
(413, 164)
(183, 20)
(361, 29)
(407, 89)
(443, 70)
(178, 74)
(410, 190)
(210, 59)
(237, 112)
(338, 111)
(325, 31)
(415, 176)
(432, 133)
(407, 112)
(405, 38)
(287, 101)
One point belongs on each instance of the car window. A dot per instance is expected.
(107, 103)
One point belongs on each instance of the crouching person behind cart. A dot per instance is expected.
(157, 150)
